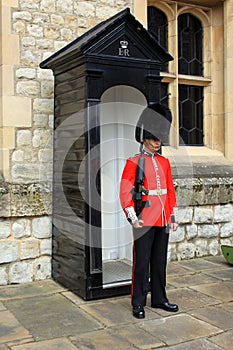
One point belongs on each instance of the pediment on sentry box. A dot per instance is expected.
(119, 36)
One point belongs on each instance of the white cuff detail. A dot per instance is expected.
(132, 217)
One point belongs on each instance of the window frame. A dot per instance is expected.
(174, 79)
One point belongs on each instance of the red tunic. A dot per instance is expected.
(157, 176)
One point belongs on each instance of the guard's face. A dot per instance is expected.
(152, 145)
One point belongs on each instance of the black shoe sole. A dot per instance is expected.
(139, 316)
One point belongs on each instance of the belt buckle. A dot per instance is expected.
(159, 192)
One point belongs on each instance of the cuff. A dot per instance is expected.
(174, 216)
(131, 215)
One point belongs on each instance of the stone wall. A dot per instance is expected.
(205, 212)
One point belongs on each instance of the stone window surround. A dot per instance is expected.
(217, 106)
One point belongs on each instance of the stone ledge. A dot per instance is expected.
(33, 199)
(204, 183)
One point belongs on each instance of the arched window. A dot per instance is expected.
(158, 27)
(190, 45)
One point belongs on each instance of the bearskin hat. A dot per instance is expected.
(154, 122)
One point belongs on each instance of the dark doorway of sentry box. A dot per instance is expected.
(103, 80)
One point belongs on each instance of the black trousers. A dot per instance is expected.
(149, 262)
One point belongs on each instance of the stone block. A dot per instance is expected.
(48, 6)
(201, 248)
(43, 106)
(24, 138)
(191, 231)
(40, 120)
(64, 6)
(21, 228)
(208, 231)
(19, 28)
(213, 248)
(21, 272)
(44, 44)
(42, 227)
(28, 88)
(203, 215)
(223, 213)
(25, 172)
(4, 201)
(226, 192)
(35, 30)
(22, 15)
(178, 235)
(8, 251)
(46, 247)
(17, 111)
(3, 276)
(5, 230)
(26, 73)
(29, 249)
(42, 268)
(185, 215)
(87, 9)
(226, 230)
(185, 251)
(18, 156)
(30, 199)
(40, 138)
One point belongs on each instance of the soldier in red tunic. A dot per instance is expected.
(153, 215)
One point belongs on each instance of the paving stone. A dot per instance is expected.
(220, 260)
(11, 329)
(191, 279)
(199, 264)
(4, 347)
(2, 307)
(113, 312)
(188, 299)
(224, 340)
(54, 344)
(101, 340)
(115, 338)
(179, 328)
(228, 306)
(224, 274)
(30, 289)
(74, 298)
(174, 269)
(53, 316)
(223, 292)
(216, 316)
(200, 344)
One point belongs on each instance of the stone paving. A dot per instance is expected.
(46, 316)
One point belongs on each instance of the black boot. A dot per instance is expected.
(138, 311)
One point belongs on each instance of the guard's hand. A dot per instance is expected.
(138, 224)
(174, 226)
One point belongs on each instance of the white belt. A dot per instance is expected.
(158, 192)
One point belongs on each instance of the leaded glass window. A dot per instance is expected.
(190, 45)
(158, 27)
(191, 114)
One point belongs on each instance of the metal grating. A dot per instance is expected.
(116, 272)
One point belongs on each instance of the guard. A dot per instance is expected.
(148, 199)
